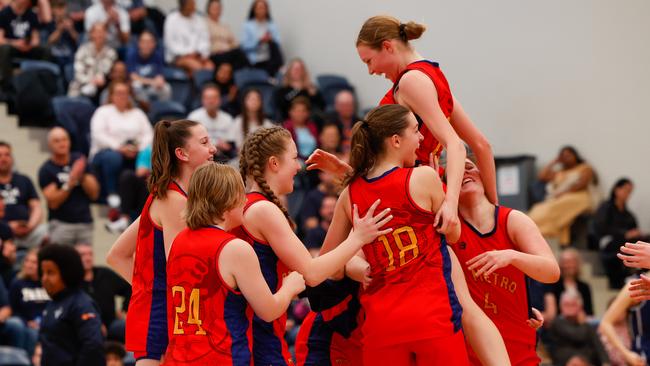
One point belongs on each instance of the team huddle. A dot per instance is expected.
(420, 265)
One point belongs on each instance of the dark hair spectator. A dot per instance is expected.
(224, 79)
(252, 116)
(137, 14)
(115, 353)
(64, 38)
(71, 326)
(187, 43)
(297, 83)
(68, 187)
(303, 130)
(23, 211)
(261, 39)
(77, 11)
(144, 63)
(224, 46)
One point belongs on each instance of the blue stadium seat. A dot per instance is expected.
(180, 84)
(45, 65)
(329, 85)
(74, 115)
(247, 76)
(166, 110)
(10, 356)
(201, 77)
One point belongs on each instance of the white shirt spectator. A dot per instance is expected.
(97, 13)
(185, 35)
(111, 129)
(220, 129)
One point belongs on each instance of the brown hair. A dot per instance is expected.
(115, 84)
(258, 148)
(300, 100)
(383, 28)
(245, 113)
(214, 189)
(167, 136)
(368, 137)
(22, 274)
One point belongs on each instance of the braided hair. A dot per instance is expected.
(258, 148)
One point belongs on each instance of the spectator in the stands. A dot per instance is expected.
(28, 298)
(23, 211)
(19, 37)
(614, 225)
(315, 236)
(115, 353)
(77, 10)
(144, 62)
(187, 42)
(7, 247)
(137, 14)
(92, 63)
(569, 189)
(133, 191)
(261, 39)
(572, 335)
(224, 79)
(330, 140)
(115, 18)
(252, 116)
(12, 330)
(345, 115)
(303, 130)
(220, 125)
(68, 187)
(223, 44)
(64, 38)
(43, 10)
(297, 83)
(309, 211)
(104, 286)
(71, 327)
(569, 263)
(118, 131)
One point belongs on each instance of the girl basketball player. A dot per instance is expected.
(212, 277)
(268, 164)
(499, 248)
(411, 267)
(139, 254)
(418, 84)
(629, 304)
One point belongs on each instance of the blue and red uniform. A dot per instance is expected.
(331, 332)
(410, 306)
(503, 295)
(445, 99)
(146, 327)
(269, 345)
(209, 322)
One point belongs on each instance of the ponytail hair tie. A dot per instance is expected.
(402, 32)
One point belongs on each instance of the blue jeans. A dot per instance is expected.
(13, 333)
(108, 164)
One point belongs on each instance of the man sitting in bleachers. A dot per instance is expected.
(23, 210)
(18, 37)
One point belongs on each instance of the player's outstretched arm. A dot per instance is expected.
(532, 255)
(480, 332)
(292, 252)
(240, 269)
(120, 256)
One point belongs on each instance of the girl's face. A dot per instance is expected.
(198, 149)
(261, 10)
(296, 71)
(224, 73)
(253, 102)
(287, 167)
(299, 114)
(624, 192)
(380, 62)
(410, 141)
(214, 11)
(51, 278)
(471, 183)
(30, 265)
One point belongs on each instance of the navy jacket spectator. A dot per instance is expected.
(69, 333)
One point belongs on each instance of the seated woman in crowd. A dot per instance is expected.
(252, 116)
(92, 63)
(224, 80)
(614, 225)
(303, 130)
(118, 131)
(224, 47)
(297, 82)
(261, 39)
(569, 193)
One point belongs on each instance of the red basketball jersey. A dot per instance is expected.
(146, 327)
(430, 144)
(409, 267)
(209, 322)
(503, 295)
(269, 345)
